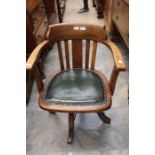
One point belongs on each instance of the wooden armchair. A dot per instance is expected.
(76, 88)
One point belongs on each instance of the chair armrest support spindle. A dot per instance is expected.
(119, 64)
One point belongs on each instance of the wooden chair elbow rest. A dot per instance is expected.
(119, 64)
(118, 59)
(35, 55)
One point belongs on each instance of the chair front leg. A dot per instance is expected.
(71, 118)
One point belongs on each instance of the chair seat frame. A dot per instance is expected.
(52, 107)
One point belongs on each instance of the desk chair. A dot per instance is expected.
(77, 87)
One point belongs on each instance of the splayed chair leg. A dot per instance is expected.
(71, 118)
(104, 118)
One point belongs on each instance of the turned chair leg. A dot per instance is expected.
(71, 118)
(104, 118)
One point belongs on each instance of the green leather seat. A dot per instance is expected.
(77, 86)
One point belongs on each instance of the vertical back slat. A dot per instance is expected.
(94, 55)
(67, 54)
(87, 54)
(77, 53)
(60, 55)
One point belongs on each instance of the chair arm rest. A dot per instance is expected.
(35, 55)
(118, 59)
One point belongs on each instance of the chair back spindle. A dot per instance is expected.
(93, 55)
(67, 54)
(87, 54)
(77, 53)
(60, 55)
(76, 33)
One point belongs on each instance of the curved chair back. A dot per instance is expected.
(62, 33)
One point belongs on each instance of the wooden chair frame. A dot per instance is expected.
(76, 32)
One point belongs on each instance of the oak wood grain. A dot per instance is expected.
(77, 53)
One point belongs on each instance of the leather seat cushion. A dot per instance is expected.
(76, 86)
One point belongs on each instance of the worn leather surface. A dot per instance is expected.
(75, 87)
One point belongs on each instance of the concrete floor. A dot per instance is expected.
(47, 133)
